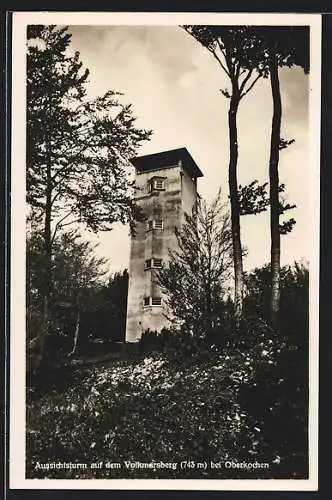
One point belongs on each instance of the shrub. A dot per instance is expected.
(191, 399)
(275, 394)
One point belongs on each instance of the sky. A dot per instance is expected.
(173, 84)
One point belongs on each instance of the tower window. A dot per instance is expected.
(158, 224)
(148, 264)
(153, 263)
(149, 225)
(152, 301)
(157, 184)
(154, 224)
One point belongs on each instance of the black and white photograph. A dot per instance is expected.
(165, 243)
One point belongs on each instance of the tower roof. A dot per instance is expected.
(166, 159)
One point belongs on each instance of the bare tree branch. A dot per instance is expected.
(59, 224)
(246, 78)
(219, 61)
(251, 86)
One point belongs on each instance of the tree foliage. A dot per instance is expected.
(294, 307)
(254, 199)
(76, 267)
(291, 43)
(76, 274)
(85, 142)
(237, 51)
(104, 317)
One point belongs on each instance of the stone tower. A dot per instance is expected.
(166, 186)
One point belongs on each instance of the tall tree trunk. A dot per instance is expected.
(209, 282)
(235, 206)
(77, 328)
(274, 187)
(47, 285)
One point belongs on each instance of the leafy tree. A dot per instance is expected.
(294, 303)
(197, 274)
(236, 51)
(77, 273)
(104, 317)
(117, 302)
(77, 149)
(254, 199)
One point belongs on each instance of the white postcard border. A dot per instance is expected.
(17, 478)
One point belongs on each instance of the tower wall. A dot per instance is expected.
(178, 196)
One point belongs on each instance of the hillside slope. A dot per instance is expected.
(169, 418)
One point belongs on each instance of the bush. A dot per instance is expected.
(269, 378)
(190, 400)
(275, 394)
(294, 298)
(178, 346)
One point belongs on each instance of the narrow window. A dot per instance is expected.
(156, 184)
(157, 263)
(153, 263)
(156, 301)
(159, 184)
(154, 224)
(146, 301)
(148, 264)
(149, 225)
(158, 224)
